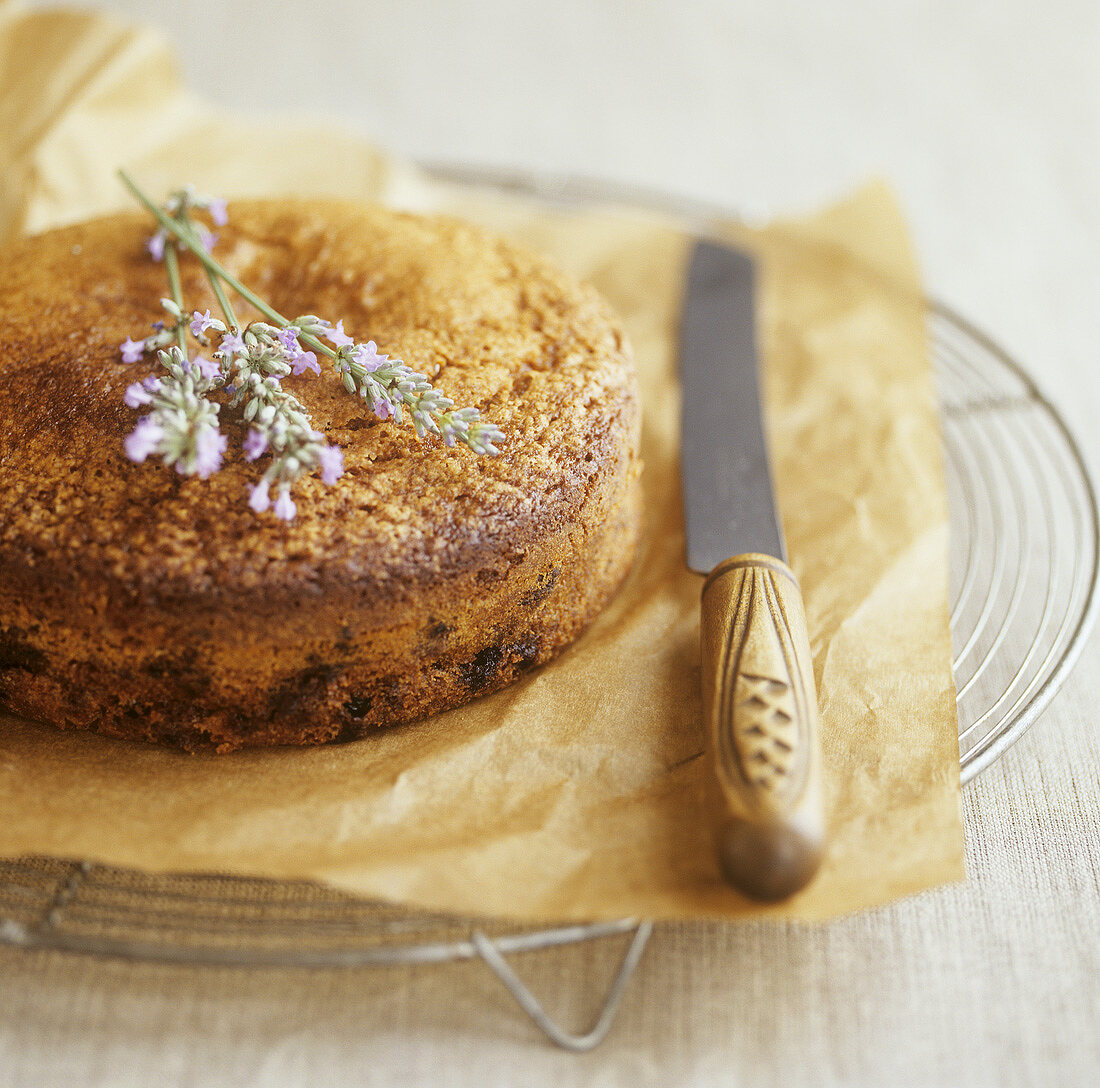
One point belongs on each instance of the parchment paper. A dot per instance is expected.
(578, 792)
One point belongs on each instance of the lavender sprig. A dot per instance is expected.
(461, 426)
(258, 361)
(392, 388)
(179, 205)
(182, 426)
(251, 367)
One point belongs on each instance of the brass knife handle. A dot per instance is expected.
(760, 705)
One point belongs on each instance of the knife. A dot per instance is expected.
(759, 698)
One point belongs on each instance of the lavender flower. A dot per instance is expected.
(132, 350)
(182, 428)
(207, 367)
(137, 396)
(338, 337)
(367, 356)
(284, 504)
(258, 497)
(306, 360)
(209, 450)
(202, 322)
(232, 343)
(155, 245)
(144, 439)
(331, 459)
(254, 445)
(219, 213)
(299, 359)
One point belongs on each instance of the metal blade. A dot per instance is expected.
(729, 507)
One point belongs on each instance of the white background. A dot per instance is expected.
(986, 118)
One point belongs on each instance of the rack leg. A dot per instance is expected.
(530, 1004)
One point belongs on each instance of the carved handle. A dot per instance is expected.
(760, 705)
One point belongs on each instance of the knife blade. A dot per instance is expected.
(759, 696)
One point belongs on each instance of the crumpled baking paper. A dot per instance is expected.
(579, 791)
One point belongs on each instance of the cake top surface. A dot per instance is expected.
(488, 323)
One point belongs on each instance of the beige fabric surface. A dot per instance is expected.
(987, 122)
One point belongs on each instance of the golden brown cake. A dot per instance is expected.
(147, 605)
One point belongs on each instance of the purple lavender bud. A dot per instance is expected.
(382, 409)
(253, 445)
(136, 396)
(150, 384)
(209, 447)
(338, 337)
(288, 337)
(207, 238)
(218, 211)
(306, 360)
(284, 505)
(331, 459)
(258, 498)
(132, 350)
(143, 439)
(155, 245)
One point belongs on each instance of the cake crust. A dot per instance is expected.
(142, 604)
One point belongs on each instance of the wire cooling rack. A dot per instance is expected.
(1024, 540)
(1023, 572)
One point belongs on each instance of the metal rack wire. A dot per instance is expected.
(1024, 548)
(1024, 574)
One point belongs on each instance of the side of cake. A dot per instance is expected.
(142, 604)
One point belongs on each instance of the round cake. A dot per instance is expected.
(148, 605)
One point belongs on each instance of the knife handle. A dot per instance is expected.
(760, 704)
